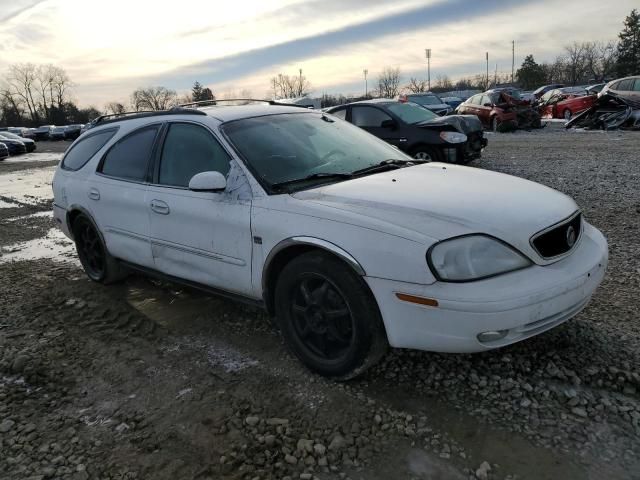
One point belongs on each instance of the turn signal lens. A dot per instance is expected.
(419, 300)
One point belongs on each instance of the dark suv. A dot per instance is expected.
(416, 130)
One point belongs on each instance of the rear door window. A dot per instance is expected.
(129, 157)
(341, 113)
(368, 116)
(625, 85)
(636, 86)
(188, 150)
(86, 148)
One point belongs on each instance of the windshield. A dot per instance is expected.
(10, 136)
(411, 113)
(424, 99)
(280, 148)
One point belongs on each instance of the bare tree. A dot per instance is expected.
(115, 108)
(600, 59)
(417, 86)
(443, 83)
(20, 85)
(575, 62)
(389, 82)
(290, 86)
(153, 98)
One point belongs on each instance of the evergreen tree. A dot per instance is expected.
(530, 75)
(200, 93)
(629, 46)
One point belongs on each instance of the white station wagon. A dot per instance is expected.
(351, 244)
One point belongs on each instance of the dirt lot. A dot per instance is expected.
(149, 380)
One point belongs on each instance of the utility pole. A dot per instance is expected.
(300, 84)
(427, 52)
(487, 55)
(366, 90)
(495, 78)
(513, 58)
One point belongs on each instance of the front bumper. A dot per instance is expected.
(522, 303)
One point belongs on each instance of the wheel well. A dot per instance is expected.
(277, 264)
(71, 217)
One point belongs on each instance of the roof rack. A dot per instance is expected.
(212, 103)
(114, 117)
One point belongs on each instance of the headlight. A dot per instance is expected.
(453, 137)
(473, 257)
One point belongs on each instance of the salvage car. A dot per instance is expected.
(492, 109)
(417, 131)
(351, 244)
(626, 88)
(42, 132)
(58, 133)
(565, 102)
(15, 146)
(538, 92)
(71, 132)
(428, 100)
(29, 144)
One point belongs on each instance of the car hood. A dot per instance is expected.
(436, 201)
(462, 123)
(11, 141)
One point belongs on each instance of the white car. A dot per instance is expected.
(351, 244)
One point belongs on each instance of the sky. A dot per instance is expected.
(111, 48)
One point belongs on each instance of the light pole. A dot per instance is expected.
(427, 52)
(487, 54)
(366, 91)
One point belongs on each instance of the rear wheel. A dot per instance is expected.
(328, 316)
(98, 264)
(567, 114)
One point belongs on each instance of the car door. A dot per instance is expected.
(204, 237)
(371, 119)
(117, 196)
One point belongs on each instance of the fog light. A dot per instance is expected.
(492, 336)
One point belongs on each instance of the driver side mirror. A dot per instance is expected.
(389, 124)
(208, 182)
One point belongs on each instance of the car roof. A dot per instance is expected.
(228, 113)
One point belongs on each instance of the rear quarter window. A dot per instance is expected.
(86, 148)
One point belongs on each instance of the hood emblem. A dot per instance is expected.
(571, 236)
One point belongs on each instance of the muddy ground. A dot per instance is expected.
(147, 380)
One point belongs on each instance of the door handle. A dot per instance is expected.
(160, 207)
(94, 194)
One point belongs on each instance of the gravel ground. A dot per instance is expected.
(149, 380)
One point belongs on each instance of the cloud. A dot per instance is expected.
(21, 9)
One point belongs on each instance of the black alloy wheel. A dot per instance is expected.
(328, 316)
(90, 249)
(321, 317)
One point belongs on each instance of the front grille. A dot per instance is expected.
(559, 238)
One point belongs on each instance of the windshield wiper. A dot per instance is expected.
(313, 176)
(390, 164)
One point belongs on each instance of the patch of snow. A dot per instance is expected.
(28, 186)
(183, 392)
(54, 245)
(229, 359)
(46, 213)
(34, 157)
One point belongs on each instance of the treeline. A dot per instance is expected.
(32, 95)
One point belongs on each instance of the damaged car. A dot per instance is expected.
(416, 130)
(500, 110)
(350, 244)
(565, 102)
(617, 106)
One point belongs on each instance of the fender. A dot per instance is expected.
(316, 242)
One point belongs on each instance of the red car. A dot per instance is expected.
(565, 102)
(493, 108)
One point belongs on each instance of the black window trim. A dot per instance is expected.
(154, 148)
(80, 140)
(154, 167)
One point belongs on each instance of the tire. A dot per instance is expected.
(96, 261)
(494, 124)
(567, 114)
(425, 153)
(340, 345)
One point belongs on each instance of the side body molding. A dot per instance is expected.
(317, 242)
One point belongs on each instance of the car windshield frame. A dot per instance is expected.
(397, 110)
(335, 171)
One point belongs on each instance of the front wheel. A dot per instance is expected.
(328, 316)
(567, 114)
(494, 124)
(426, 154)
